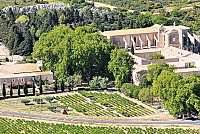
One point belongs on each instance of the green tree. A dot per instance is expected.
(144, 83)
(62, 85)
(62, 19)
(40, 85)
(120, 66)
(132, 49)
(18, 87)
(25, 89)
(130, 90)
(4, 90)
(164, 81)
(82, 51)
(145, 95)
(157, 56)
(22, 19)
(11, 90)
(184, 96)
(154, 70)
(33, 85)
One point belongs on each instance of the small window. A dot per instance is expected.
(174, 39)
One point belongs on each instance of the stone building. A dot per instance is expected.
(156, 36)
(169, 41)
(22, 72)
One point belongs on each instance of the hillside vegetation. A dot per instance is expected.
(146, 5)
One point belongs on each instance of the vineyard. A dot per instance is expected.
(19, 126)
(80, 104)
(103, 104)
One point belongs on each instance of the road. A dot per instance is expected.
(79, 120)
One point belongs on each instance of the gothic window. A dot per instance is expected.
(174, 38)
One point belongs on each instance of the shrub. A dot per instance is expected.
(145, 95)
(51, 108)
(37, 100)
(130, 90)
(25, 101)
(99, 82)
(49, 98)
(157, 56)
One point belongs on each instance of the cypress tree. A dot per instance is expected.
(33, 84)
(18, 89)
(4, 90)
(25, 89)
(132, 50)
(55, 86)
(11, 90)
(40, 85)
(62, 86)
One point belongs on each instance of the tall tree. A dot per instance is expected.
(40, 85)
(25, 89)
(33, 85)
(18, 87)
(62, 85)
(154, 70)
(4, 90)
(11, 90)
(120, 66)
(132, 49)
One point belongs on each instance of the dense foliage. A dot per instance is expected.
(99, 82)
(155, 70)
(130, 90)
(8, 126)
(120, 66)
(19, 31)
(157, 56)
(179, 95)
(81, 51)
(145, 5)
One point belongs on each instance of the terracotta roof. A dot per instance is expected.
(19, 68)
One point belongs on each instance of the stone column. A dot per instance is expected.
(148, 41)
(155, 38)
(141, 42)
(126, 44)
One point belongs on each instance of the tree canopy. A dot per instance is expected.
(179, 95)
(81, 51)
(120, 66)
(154, 70)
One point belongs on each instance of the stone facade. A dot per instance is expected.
(157, 36)
(168, 41)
